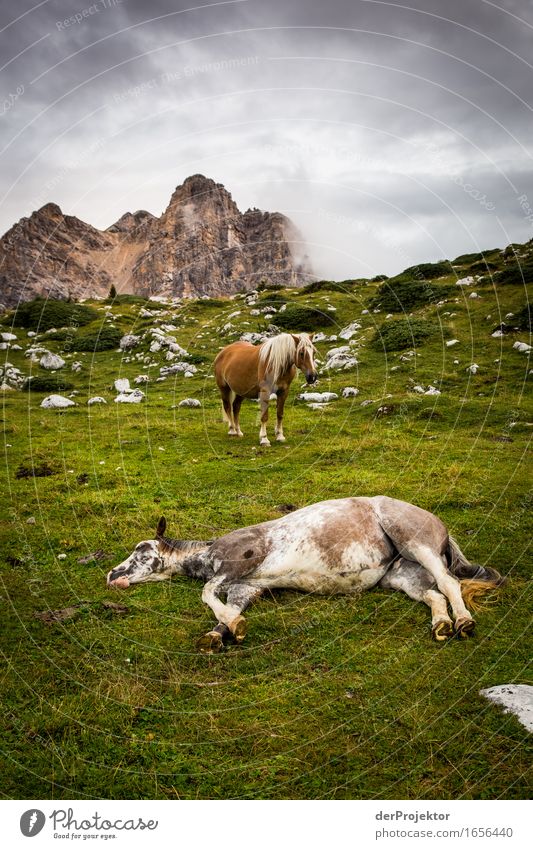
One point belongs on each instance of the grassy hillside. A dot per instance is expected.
(327, 697)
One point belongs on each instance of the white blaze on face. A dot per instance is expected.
(144, 564)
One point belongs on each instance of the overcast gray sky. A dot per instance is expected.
(391, 133)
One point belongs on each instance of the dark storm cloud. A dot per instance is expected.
(385, 132)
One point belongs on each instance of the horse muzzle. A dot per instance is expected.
(311, 377)
(119, 582)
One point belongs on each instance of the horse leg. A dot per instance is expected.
(280, 404)
(236, 412)
(264, 398)
(229, 615)
(446, 583)
(227, 405)
(417, 583)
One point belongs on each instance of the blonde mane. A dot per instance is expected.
(279, 353)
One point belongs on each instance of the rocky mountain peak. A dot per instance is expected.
(201, 245)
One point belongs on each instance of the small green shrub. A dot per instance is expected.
(139, 300)
(47, 383)
(273, 300)
(468, 259)
(379, 278)
(401, 334)
(522, 319)
(41, 314)
(424, 271)
(269, 287)
(515, 274)
(405, 295)
(328, 286)
(303, 318)
(484, 266)
(197, 359)
(103, 339)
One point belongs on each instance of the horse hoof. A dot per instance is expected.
(238, 628)
(280, 439)
(442, 630)
(210, 643)
(464, 627)
(264, 442)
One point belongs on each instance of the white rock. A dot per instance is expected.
(8, 337)
(96, 400)
(77, 366)
(473, 295)
(177, 368)
(318, 397)
(190, 374)
(366, 403)
(5, 387)
(365, 312)
(497, 334)
(122, 385)
(134, 397)
(254, 338)
(30, 334)
(465, 281)
(61, 556)
(340, 358)
(255, 312)
(451, 342)
(473, 368)
(350, 330)
(51, 362)
(315, 406)
(419, 389)
(190, 402)
(432, 390)
(515, 698)
(456, 362)
(350, 392)
(56, 402)
(155, 346)
(522, 347)
(510, 315)
(129, 341)
(141, 378)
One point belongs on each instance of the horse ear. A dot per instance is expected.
(161, 528)
(296, 339)
(311, 336)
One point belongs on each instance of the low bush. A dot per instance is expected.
(522, 319)
(401, 334)
(135, 299)
(47, 383)
(269, 287)
(406, 295)
(41, 314)
(515, 274)
(103, 339)
(303, 318)
(424, 271)
(468, 259)
(329, 286)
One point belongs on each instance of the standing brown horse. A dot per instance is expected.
(243, 371)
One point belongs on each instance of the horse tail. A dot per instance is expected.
(475, 580)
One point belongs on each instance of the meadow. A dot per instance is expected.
(338, 697)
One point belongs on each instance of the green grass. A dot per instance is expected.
(327, 697)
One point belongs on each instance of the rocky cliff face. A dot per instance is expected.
(201, 245)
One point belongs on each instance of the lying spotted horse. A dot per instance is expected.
(342, 546)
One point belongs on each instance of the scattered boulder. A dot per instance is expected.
(340, 358)
(385, 410)
(122, 385)
(465, 281)
(96, 400)
(177, 368)
(8, 337)
(135, 396)
(129, 341)
(254, 338)
(76, 367)
(523, 347)
(350, 330)
(473, 368)
(432, 390)
(56, 402)
(51, 362)
(190, 402)
(451, 342)
(366, 403)
(350, 392)
(514, 698)
(318, 397)
(141, 378)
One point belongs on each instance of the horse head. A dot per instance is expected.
(304, 358)
(147, 562)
